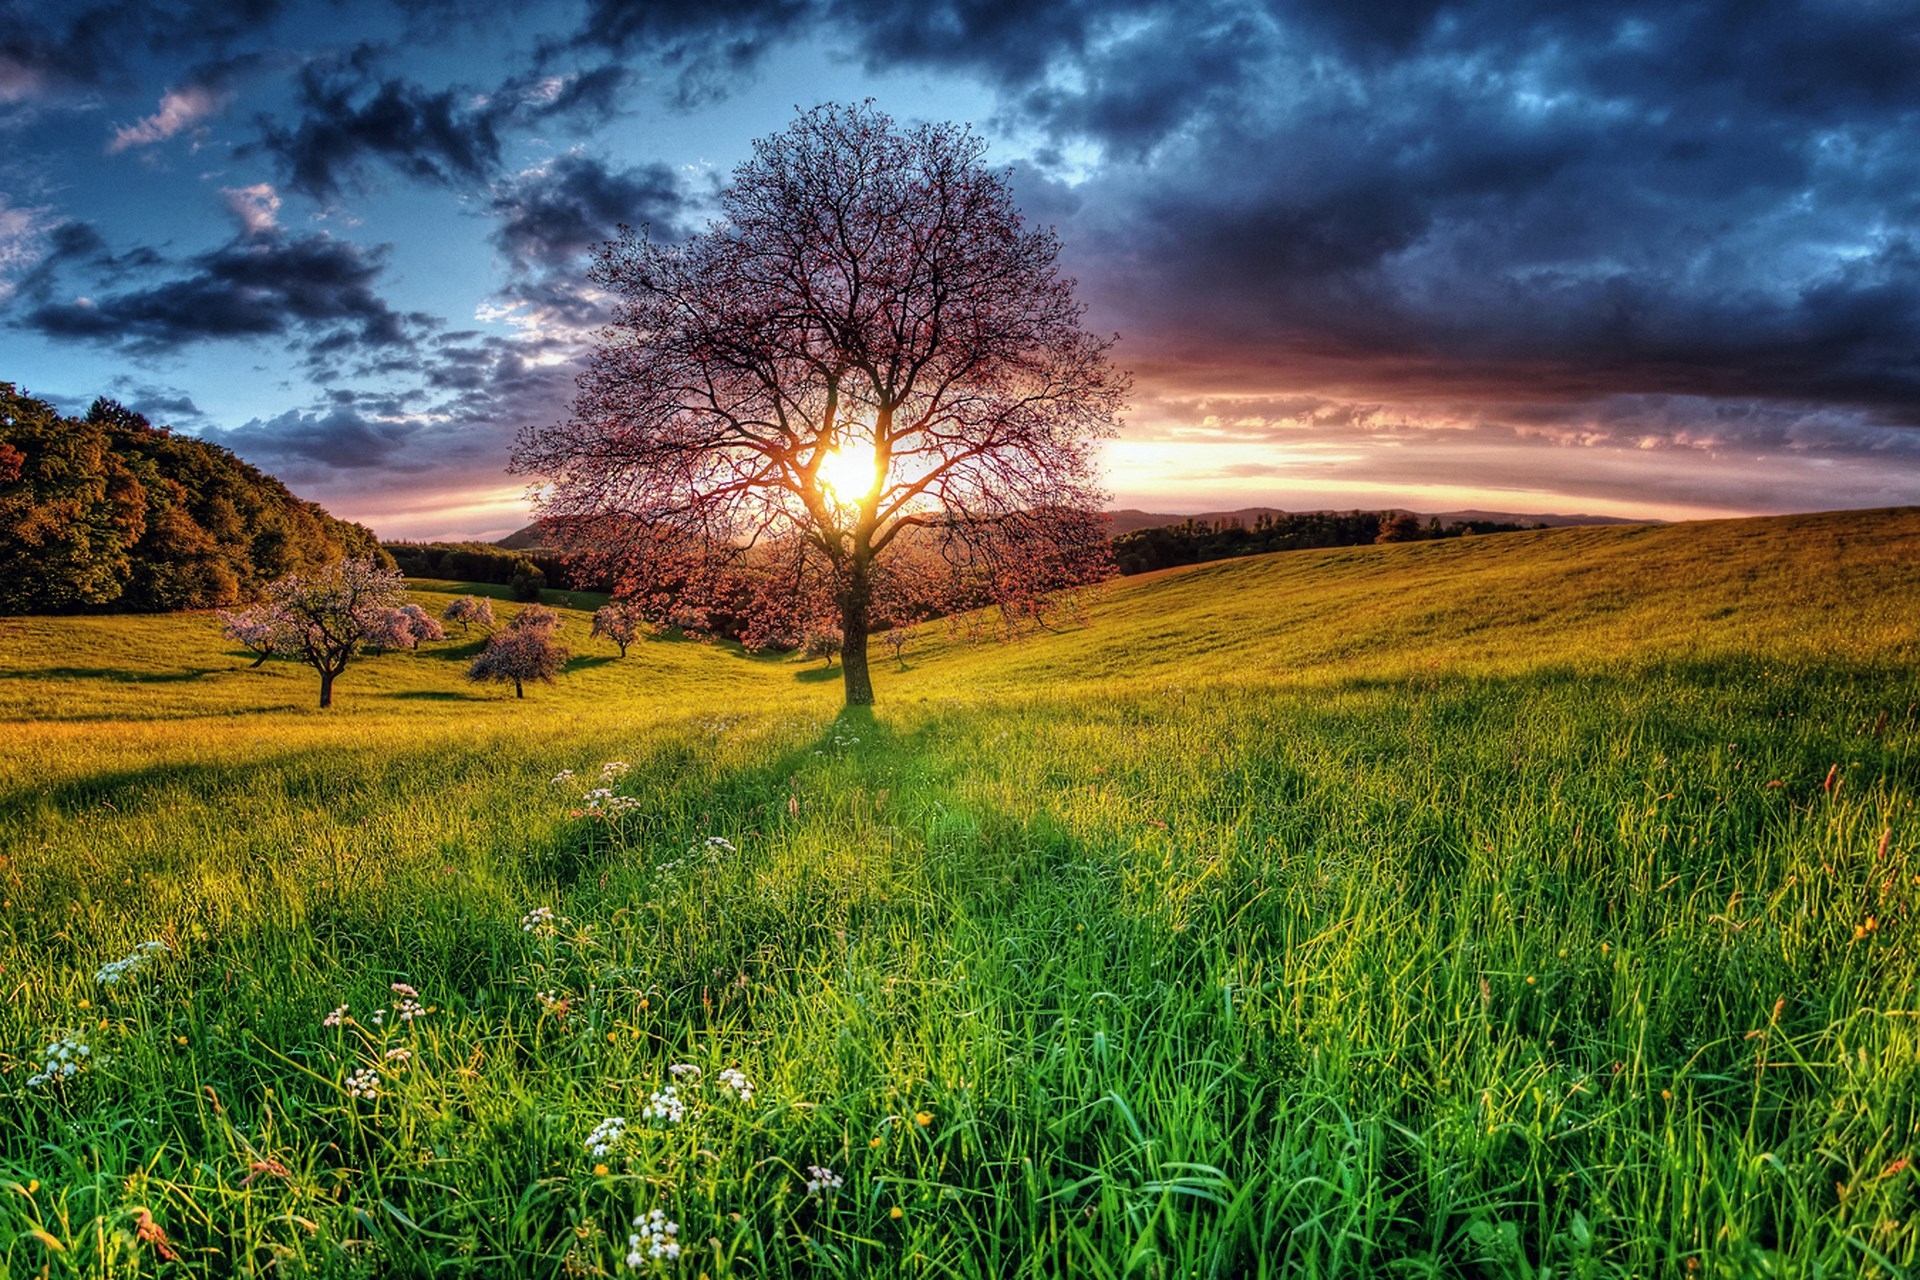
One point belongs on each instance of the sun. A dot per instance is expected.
(848, 472)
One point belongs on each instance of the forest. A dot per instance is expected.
(109, 513)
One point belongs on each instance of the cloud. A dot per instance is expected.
(552, 215)
(22, 233)
(349, 115)
(257, 207)
(1578, 202)
(340, 437)
(315, 287)
(180, 109)
(54, 47)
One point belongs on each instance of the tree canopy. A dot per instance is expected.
(109, 512)
(867, 344)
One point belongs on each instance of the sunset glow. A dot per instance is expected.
(848, 473)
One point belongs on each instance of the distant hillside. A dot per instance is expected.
(532, 538)
(1130, 519)
(108, 513)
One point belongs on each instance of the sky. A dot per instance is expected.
(1652, 260)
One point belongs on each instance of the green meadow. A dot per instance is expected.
(1532, 905)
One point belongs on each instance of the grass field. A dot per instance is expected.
(1531, 905)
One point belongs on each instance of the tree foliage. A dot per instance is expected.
(109, 512)
(867, 350)
(524, 651)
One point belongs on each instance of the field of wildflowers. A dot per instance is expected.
(1535, 905)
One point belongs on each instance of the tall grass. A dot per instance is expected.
(1535, 905)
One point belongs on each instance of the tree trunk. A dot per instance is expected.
(326, 688)
(518, 692)
(853, 641)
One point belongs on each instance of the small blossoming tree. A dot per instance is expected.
(407, 627)
(619, 622)
(324, 617)
(252, 629)
(524, 651)
(469, 611)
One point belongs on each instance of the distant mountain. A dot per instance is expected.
(1130, 519)
(532, 538)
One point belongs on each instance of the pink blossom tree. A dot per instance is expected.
(524, 651)
(406, 627)
(619, 622)
(469, 611)
(251, 628)
(324, 617)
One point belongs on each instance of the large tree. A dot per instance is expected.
(866, 348)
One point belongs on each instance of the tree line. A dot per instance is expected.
(109, 513)
(1198, 541)
(524, 573)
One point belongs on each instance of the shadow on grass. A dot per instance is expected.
(114, 674)
(587, 662)
(465, 649)
(818, 675)
(435, 695)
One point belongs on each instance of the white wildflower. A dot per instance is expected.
(653, 1237)
(821, 1179)
(61, 1061)
(563, 777)
(613, 769)
(681, 1070)
(364, 1083)
(538, 921)
(665, 1104)
(117, 971)
(408, 1006)
(735, 1082)
(335, 1018)
(606, 1135)
(400, 1055)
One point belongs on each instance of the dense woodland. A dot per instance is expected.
(1195, 542)
(109, 513)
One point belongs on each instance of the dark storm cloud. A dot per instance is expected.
(1589, 201)
(58, 46)
(340, 437)
(706, 42)
(78, 244)
(167, 406)
(348, 113)
(550, 217)
(314, 286)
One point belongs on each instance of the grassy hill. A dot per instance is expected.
(1538, 904)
